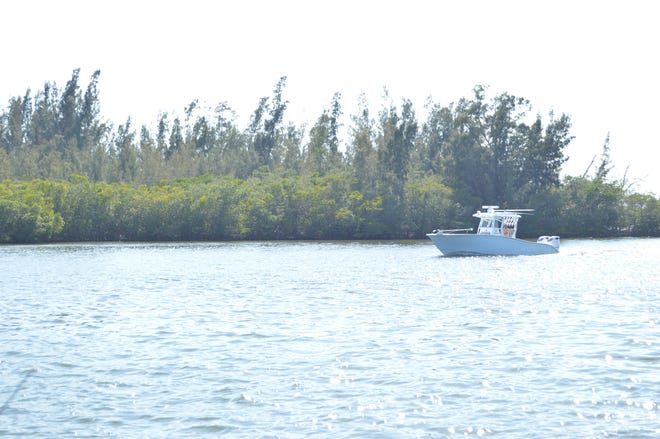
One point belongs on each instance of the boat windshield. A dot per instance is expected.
(498, 223)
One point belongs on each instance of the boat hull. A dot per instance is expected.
(460, 244)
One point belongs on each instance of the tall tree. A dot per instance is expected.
(176, 139)
(502, 140)
(396, 139)
(317, 150)
(127, 152)
(605, 165)
(90, 127)
(435, 136)
(231, 156)
(45, 116)
(538, 162)
(334, 126)
(464, 159)
(292, 150)
(68, 113)
(14, 123)
(322, 152)
(395, 142)
(150, 158)
(265, 124)
(361, 152)
(162, 133)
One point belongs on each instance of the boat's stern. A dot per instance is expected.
(549, 240)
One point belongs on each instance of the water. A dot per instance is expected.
(330, 340)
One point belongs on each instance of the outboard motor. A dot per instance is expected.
(550, 240)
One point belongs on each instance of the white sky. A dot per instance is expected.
(595, 61)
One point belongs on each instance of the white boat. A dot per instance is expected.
(496, 235)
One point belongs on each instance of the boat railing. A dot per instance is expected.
(453, 230)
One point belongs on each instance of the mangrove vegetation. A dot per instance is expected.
(67, 174)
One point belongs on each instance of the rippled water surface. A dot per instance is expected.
(329, 339)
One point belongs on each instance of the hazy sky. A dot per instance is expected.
(595, 61)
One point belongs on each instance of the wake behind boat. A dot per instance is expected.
(496, 235)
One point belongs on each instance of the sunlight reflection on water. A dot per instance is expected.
(348, 339)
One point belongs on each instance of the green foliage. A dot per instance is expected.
(642, 215)
(322, 154)
(591, 208)
(27, 213)
(427, 200)
(361, 154)
(266, 123)
(202, 208)
(70, 176)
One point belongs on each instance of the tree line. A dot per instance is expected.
(69, 175)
